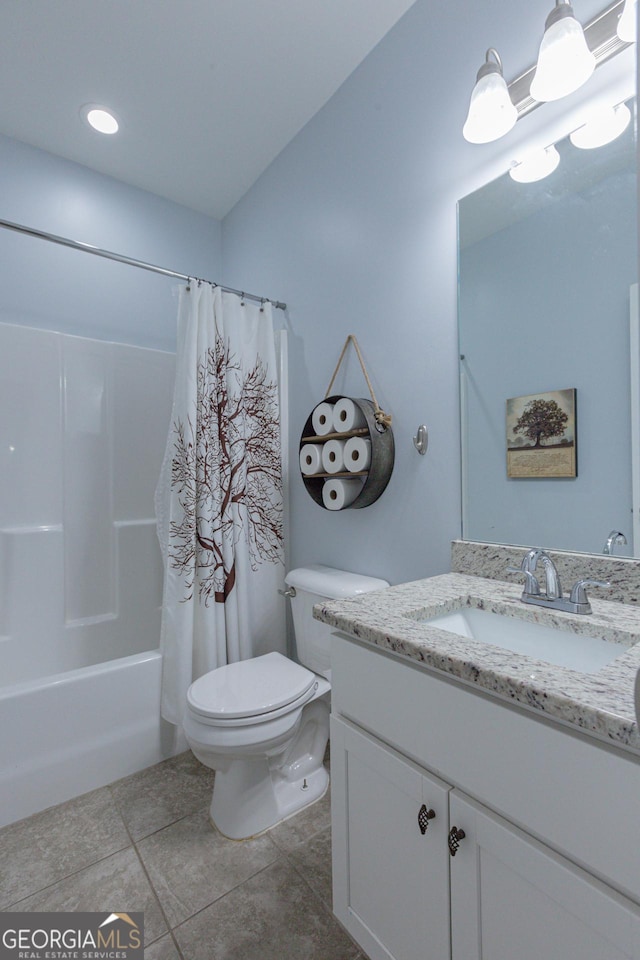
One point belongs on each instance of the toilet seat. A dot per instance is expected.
(251, 691)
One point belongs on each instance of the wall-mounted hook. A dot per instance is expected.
(421, 439)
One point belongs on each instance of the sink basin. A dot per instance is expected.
(560, 647)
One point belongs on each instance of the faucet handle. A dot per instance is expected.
(578, 590)
(531, 585)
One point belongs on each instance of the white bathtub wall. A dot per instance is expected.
(83, 425)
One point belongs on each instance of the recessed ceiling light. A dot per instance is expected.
(101, 119)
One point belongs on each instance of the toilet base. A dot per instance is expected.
(234, 824)
(253, 793)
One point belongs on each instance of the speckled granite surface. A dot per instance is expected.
(600, 703)
(492, 559)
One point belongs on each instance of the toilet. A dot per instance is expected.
(263, 724)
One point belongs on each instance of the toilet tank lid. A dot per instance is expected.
(331, 583)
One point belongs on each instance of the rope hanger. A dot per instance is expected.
(382, 418)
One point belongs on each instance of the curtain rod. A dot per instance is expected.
(109, 255)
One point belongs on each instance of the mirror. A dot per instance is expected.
(548, 302)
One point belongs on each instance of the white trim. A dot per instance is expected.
(464, 451)
(634, 343)
(282, 349)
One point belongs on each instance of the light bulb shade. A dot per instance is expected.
(535, 166)
(491, 112)
(602, 128)
(627, 22)
(564, 61)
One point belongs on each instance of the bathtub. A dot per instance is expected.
(72, 732)
(83, 427)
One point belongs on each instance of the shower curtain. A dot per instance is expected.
(219, 497)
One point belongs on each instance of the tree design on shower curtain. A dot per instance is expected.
(226, 471)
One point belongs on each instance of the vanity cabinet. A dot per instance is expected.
(544, 869)
(514, 897)
(391, 863)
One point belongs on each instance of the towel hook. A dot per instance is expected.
(421, 439)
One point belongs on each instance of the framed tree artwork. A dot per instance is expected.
(541, 435)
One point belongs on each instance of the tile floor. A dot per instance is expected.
(145, 843)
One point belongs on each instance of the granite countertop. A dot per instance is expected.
(600, 703)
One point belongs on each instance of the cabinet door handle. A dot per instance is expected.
(424, 816)
(455, 836)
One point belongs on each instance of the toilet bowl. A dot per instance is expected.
(263, 724)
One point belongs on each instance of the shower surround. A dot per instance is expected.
(83, 425)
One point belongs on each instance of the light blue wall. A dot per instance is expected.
(57, 288)
(354, 225)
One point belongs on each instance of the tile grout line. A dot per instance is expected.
(327, 907)
(67, 876)
(171, 823)
(294, 866)
(231, 890)
(134, 847)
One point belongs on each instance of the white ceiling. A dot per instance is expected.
(208, 92)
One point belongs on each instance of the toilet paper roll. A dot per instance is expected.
(333, 456)
(338, 493)
(311, 459)
(322, 419)
(347, 416)
(357, 454)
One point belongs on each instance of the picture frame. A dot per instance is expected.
(541, 435)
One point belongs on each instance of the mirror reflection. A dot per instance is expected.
(548, 311)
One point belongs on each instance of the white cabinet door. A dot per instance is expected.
(512, 897)
(391, 862)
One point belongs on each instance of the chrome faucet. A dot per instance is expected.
(576, 602)
(616, 536)
(553, 586)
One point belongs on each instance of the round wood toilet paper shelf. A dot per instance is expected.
(339, 475)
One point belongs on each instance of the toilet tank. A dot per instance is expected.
(312, 585)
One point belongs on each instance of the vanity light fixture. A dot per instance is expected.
(101, 119)
(603, 126)
(536, 165)
(564, 61)
(627, 24)
(491, 112)
(568, 57)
